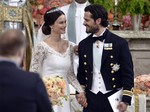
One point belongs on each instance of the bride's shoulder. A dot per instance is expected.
(39, 45)
(71, 43)
(65, 42)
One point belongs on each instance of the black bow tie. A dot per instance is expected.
(100, 38)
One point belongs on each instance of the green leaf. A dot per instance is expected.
(108, 4)
(134, 6)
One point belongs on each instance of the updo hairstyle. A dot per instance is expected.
(50, 17)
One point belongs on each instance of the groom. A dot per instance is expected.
(105, 64)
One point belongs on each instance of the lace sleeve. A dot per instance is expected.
(37, 58)
(71, 76)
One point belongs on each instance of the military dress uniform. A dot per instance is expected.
(115, 72)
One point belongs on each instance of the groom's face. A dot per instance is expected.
(90, 24)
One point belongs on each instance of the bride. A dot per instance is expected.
(52, 58)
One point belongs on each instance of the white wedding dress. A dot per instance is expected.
(48, 62)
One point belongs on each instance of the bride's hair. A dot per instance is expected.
(50, 17)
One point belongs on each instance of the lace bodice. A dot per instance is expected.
(48, 61)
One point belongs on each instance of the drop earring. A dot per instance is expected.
(51, 28)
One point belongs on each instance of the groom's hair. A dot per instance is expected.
(98, 11)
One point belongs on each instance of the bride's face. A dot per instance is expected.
(59, 25)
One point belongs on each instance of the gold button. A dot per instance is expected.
(112, 71)
(111, 64)
(113, 79)
(111, 56)
(114, 86)
(85, 56)
(85, 71)
(85, 63)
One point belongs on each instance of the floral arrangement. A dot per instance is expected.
(55, 86)
(39, 7)
(127, 22)
(142, 84)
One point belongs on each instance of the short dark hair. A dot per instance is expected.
(11, 41)
(50, 17)
(98, 11)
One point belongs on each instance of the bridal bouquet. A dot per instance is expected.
(55, 86)
(142, 84)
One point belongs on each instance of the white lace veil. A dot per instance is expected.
(40, 35)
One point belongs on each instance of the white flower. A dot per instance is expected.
(116, 67)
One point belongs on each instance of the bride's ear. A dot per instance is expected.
(51, 27)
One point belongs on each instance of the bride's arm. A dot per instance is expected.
(71, 75)
(37, 58)
(73, 80)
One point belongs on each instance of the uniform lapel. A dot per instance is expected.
(90, 52)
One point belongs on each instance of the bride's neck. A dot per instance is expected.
(55, 38)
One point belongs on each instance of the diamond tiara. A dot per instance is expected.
(51, 11)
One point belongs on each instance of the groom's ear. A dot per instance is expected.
(98, 21)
